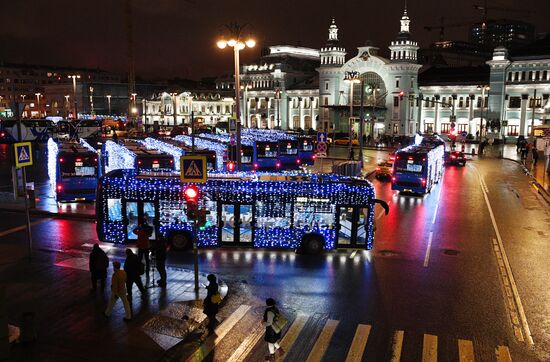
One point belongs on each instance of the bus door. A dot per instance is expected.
(135, 211)
(236, 223)
(352, 222)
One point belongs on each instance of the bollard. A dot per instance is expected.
(473, 151)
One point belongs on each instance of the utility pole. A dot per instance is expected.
(130, 54)
(361, 145)
(533, 113)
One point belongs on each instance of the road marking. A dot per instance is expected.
(359, 343)
(293, 332)
(465, 351)
(429, 348)
(21, 227)
(247, 345)
(427, 257)
(322, 342)
(517, 313)
(220, 332)
(503, 354)
(435, 213)
(396, 346)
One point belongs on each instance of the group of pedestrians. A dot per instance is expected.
(123, 279)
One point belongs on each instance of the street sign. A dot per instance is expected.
(193, 169)
(23, 154)
(232, 125)
(504, 123)
(321, 149)
(321, 137)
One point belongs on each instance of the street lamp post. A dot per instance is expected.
(38, 103)
(74, 77)
(483, 105)
(237, 43)
(109, 103)
(351, 78)
(67, 106)
(245, 88)
(175, 110)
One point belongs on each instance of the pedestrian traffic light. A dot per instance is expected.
(401, 95)
(191, 195)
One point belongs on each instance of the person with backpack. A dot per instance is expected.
(99, 262)
(273, 329)
(134, 269)
(211, 302)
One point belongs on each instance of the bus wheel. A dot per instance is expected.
(313, 244)
(180, 240)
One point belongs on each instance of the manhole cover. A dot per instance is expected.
(386, 252)
(450, 252)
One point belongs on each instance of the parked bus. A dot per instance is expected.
(289, 146)
(249, 155)
(178, 149)
(203, 145)
(130, 154)
(418, 167)
(308, 212)
(37, 130)
(73, 170)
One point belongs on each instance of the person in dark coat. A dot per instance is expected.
(211, 308)
(535, 155)
(159, 250)
(133, 268)
(99, 262)
(143, 232)
(272, 336)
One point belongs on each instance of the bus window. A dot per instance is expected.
(228, 218)
(149, 213)
(346, 225)
(132, 216)
(272, 215)
(172, 213)
(245, 226)
(313, 214)
(362, 227)
(115, 209)
(409, 165)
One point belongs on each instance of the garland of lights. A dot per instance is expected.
(117, 157)
(155, 144)
(53, 149)
(285, 209)
(86, 145)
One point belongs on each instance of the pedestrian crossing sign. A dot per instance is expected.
(23, 154)
(193, 169)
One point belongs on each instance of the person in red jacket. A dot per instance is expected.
(143, 232)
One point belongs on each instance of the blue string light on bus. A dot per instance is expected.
(205, 145)
(53, 150)
(321, 188)
(119, 157)
(86, 145)
(172, 150)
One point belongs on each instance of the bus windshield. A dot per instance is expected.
(266, 149)
(288, 147)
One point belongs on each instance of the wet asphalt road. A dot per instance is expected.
(450, 287)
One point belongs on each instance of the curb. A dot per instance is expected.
(55, 215)
(540, 189)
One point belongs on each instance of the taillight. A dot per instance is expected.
(393, 179)
(2, 134)
(378, 169)
(278, 165)
(453, 156)
(256, 166)
(171, 161)
(155, 161)
(230, 166)
(423, 182)
(314, 157)
(139, 162)
(61, 159)
(78, 160)
(59, 187)
(298, 161)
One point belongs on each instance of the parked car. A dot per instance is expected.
(345, 141)
(455, 158)
(383, 170)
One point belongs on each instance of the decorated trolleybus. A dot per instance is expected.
(73, 170)
(308, 212)
(129, 154)
(418, 167)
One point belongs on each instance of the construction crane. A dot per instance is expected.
(442, 27)
(485, 8)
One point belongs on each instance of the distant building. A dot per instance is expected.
(511, 34)
(453, 54)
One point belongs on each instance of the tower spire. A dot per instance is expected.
(405, 21)
(333, 32)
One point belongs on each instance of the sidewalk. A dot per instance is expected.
(69, 319)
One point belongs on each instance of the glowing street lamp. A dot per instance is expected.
(238, 43)
(351, 78)
(74, 77)
(109, 102)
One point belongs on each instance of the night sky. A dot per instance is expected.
(176, 38)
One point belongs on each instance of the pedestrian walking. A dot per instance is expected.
(535, 155)
(133, 268)
(351, 153)
(143, 232)
(99, 262)
(118, 290)
(272, 330)
(211, 302)
(160, 258)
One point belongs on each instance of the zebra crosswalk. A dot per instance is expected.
(316, 338)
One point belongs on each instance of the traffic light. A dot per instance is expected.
(191, 195)
(401, 95)
(201, 219)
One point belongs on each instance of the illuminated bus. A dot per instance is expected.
(293, 151)
(178, 149)
(129, 154)
(418, 167)
(73, 170)
(286, 211)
